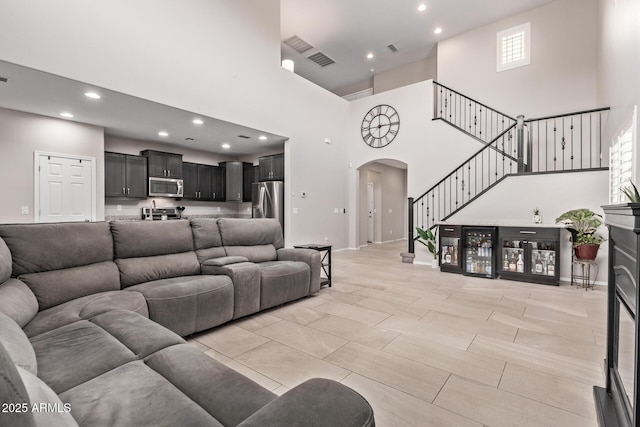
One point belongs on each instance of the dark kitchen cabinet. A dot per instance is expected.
(198, 181)
(249, 176)
(530, 254)
(271, 168)
(125, 175)
(163, 165)
(218, 183)
(235, 178)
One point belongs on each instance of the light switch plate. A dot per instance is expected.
(25, 210)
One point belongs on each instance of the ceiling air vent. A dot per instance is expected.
(4, 79)
(297, 44)
(321, 59)
(244, 137)
(392, 48)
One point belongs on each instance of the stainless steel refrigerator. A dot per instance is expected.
(267, 200)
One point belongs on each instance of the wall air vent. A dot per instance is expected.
(297, 44)
(3, 79)
(321, 59)
(392, 48)
(244, 137)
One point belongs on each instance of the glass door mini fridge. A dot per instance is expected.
(450, 247)
(478, 256)
(530, 254)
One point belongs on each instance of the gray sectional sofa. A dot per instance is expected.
(92, 317)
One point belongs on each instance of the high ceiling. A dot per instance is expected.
(347, 30)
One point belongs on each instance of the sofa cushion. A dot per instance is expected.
(139, 334)
(17, 344)
(224, 393)
(283, 281)
(86, 349)
(17, 301)
(58, 286)
(85, 308)
(44, 247)
(146, 269)
(134, 395)
(206, 238)
(251, 232)
(13, 390)
(132, 239)
(53, 412)
(189, 304)
(5, 262)
(258, 253)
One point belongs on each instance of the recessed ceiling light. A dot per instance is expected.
(197, 121)
(163, 133)
(262, 138)
(92, 95)
(369, 55)
(437, 30)
(67, 115)
(422, 7)
(226, 146)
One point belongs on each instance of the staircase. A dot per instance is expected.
(511, 146)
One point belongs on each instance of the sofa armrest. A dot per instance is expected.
(225, 260)
(18, 301)
(316, 402)
(309, 256)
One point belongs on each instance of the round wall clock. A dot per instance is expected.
(380, 126)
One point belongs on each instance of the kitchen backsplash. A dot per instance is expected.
(132, 209)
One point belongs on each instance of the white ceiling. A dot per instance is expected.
(346, 30)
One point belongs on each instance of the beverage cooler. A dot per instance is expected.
(530, 254)
(478, 257)
(450, 245)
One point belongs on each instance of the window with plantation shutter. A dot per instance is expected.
(621, 162)
(513, 48)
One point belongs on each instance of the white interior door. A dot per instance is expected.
(372, 211)
(65, 189)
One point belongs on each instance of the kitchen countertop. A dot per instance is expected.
(138, 217)
(502, 224)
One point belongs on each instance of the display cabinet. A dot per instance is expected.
(479, 251)
(450, 245)
(530, 254)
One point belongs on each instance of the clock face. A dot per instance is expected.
(380, 126)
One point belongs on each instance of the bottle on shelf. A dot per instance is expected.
(520, 264)
(444, 254)
(469, 264)
(538, 268)
(447, 256)
(551, 266)
(512, 262)
(505, 263)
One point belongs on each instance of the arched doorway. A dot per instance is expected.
(382, 202)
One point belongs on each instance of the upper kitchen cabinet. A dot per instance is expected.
(219, 183)
(125, 175)
(163, 165)
(271, 168)
(235, 180)
(249, 176)
(197, 181)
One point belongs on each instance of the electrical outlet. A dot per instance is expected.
(390, 231)
(219, 209)
(295, 211)
(25, 210)
(336, 210)
(326, 239)
(118, 207)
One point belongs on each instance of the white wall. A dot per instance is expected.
(619, 65)
(513, 200)
(561, 77)
(424, 69)
(218, 58)
(21, 134)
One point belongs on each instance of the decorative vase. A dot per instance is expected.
(537, 219)
(587, 251)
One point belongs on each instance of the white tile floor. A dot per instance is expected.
(428, 348)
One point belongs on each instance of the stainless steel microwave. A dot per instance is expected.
(165, 187)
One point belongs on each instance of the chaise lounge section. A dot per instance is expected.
(91, 317)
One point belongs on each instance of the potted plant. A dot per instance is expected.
(537, 219)
(582, 224)
(429, 239)
(631, 193)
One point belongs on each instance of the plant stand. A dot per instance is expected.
(581, 273)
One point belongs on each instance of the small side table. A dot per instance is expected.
(581, 273)
(325, 262)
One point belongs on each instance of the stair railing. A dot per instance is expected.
(468, 115)
(476, 175)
